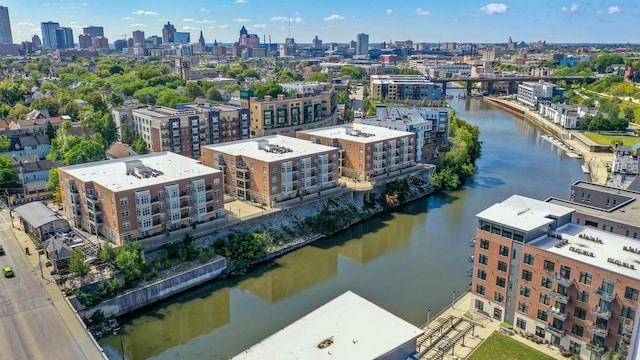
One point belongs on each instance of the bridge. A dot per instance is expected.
(512, 80)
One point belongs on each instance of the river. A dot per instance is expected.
(405, 261)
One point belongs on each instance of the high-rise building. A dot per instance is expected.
(201, 39)
(138, 37)
(5, 26)
(120, 45)
(154, 40)
(64, 38)
(94, 32)
(362, 44)
(84, 41)
(181, 37)
(167, 33)
(316, 43)
(49, 34)
(101, 42)
(35, 39)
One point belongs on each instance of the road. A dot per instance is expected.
(31, 326)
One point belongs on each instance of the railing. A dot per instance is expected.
(559, 297)
(603, 295)
(556, 313)
(597, 311)
(596, 348)
(555, 331)
(596, 330)
(561, 280)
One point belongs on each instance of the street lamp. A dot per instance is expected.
(428, 315)
(453, 298)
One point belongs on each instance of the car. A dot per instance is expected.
(8, 271)
(1, 250)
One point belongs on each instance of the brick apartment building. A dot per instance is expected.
(366, 151)
(565, 271)
(140, 196)
(274, 168)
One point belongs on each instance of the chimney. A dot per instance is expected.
(280, 97)
(267, 98)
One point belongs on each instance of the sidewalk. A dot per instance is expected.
(86, 343)
(439, 333)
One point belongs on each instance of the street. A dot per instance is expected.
(31, 326)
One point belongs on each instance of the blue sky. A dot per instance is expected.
(555, 21)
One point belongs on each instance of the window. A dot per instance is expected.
(565, 272)
(502, 266)
(628, 312)
(631, 293)
(549, 266)
(585, 278)
(523, 307)
(480, 289)
(540, 332)
(498, 297)
(124, 201)
(577, 330)
(525, 291)
(126, 225)
(274, 170)
(527, 275)
(484, 244)
(125, 213)
(521, 324)
(504, 250)
(574, 347)
(482, 275)
(529, 259)
(583, 296)
(216, 181)
(546, 283)
(542, 315)
(483, 259)
(544, 299)
(500, 281)
(580, 313)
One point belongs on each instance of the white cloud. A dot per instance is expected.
(198, 21)
(189, 28)
(138, 25)
(126, 18)
(259, 26)
(223, 26)
(84, 4)
(296, 19)
(334, 17)
(24, 24)
(241, 20)
(240, 1)
(188, 20)
(494, 8)
(389, 12)
(422, 12)
(613, 9)
(574, 8)
(204, 10)
(144, 12)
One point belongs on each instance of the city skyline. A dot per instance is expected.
(419, 21)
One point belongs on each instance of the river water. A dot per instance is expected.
(405, 261)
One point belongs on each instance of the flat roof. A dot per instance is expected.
(284, 148)
(112, 174)
(375, 133)
(523, 213)
(611, 248)
(401, 79)
(162, 111)
(358, 329)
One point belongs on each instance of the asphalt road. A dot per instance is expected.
(30, 325)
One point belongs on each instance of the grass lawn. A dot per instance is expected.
(608, 139)
(503, 347)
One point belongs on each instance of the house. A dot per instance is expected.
(118, 150)
(21, 145)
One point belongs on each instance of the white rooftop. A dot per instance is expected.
(357, 328)
(112, 174)
(342, 132)
(250, 148)
(523, 213)
(611, 248)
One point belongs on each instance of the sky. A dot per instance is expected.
(432, 21)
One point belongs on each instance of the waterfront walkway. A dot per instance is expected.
(452, 336)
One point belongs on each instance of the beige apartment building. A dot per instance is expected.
(274, 168)
(141, 196)
(366, 151)
(400, 88)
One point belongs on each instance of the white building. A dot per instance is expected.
(560, 114)
(304, 87)
(530, 93)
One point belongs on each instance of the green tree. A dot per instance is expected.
(171, 97)
(46, 103)
(53, 183)
(11, 92)
(213, 94)
(107, 254)
(8, 177)
(77, 264)
(139, 145)
(130, 261)
(84, 152)
(148, 95)
(50, 131)
(19, 111)
(127, 132)
(317, 76)
(629, 114)
(115, 99)
(192, 89)
(343, 98)
(5, 143)
(556, 99)
(271, 88)
(96, 101)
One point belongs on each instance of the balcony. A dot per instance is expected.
(627, 328)
(597, 311)
(208, 188)
(595, 330)
(556, 313)
(184, 204)
(561, 280)
(555, 331)
(559, 297)
(602, 295)
(596, 348)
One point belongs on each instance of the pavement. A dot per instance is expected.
(36, 321)
(439, 333)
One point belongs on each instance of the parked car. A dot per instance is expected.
(8, 271)
(1, 250)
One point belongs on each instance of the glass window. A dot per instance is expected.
(484, 244)
(521, 324)
(577, 330)
(545, 299)
(483, 259)
(525, 291)
(583, 296)
(482, 275)
(549, 266)
(585, 278)
(523, 307)
(529, 259)
(502, 266)
(565, 272)
(631, 293)
(527, 275)
(542, 315)
(504, 250)
(546, 283)
(575, 347)
(498, 297)
(628, 312)
(580, 313)
(501, 282)
(480, 289)
(540, 331)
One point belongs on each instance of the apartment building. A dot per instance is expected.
(141, 196)
(367, 151)
(274, 168)
(398, 88)
(556, 270)
(185, 130)
(285, 116)
(531, 93)
(560, 114)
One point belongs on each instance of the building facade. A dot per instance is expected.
(560, 114)
(49, 34)
(64, 38)
(274, 168)
(398, 88)
(94, 32)
(362, 44)
(531, 93)
(366, 151)
(555, 271)
(5, 26)
(137, 197)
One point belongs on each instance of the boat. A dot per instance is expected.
(585, 169)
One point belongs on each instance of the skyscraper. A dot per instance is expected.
(138, 37)
(94, 32)
(84, 41)
(49, 34)
(5, 26)
(64, 38)
(362, 46)
(167, 33)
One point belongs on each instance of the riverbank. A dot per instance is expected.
(596, 162)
